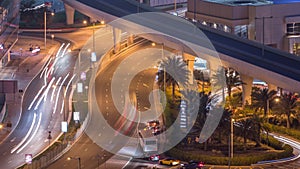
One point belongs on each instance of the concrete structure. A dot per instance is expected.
(275, 24)
(272, 23)
(162, 2)
(271, 65)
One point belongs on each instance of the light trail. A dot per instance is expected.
(34, 133)
(69, 83)
(54, 88)
(61, 46)
(46, 67)
(62, 55)
(36, 96)
(59, 89)
(27, 135)
(44, 94)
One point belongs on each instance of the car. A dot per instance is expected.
(154, 157)
(152, 124)
(169, 161)
(192, 165)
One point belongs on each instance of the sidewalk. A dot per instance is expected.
(22, 67)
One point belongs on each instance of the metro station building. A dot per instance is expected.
(275, 23)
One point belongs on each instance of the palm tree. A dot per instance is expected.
(288, 106)
(219, 81)
(199, 75)
(232, 80)
(175, 70)
(261, 99)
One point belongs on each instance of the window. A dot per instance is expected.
(293, 29)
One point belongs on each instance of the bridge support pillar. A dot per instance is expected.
(69, 14)
(130, 40)
(247, 88)
(117, 39)
(272, 87)
(189, 59)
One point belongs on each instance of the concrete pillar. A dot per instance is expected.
(69, 14)
(117, 39)
(247, 88)
(130, 39)
(189, 59)
(272, 87)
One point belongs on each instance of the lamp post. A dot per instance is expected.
(263, 32)
(75, 158)
(230, 145)
(45, 28)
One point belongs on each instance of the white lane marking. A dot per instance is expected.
(54, 88)
(27, 135)
(36, 96)
(34, 133)
(58, 92)
(44, 94)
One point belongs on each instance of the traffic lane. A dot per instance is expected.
(90, 155)
(48, 122)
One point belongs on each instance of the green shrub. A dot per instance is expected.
(242, 160)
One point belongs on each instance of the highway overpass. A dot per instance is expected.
(249, 58)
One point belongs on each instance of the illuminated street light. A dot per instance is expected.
(45, 26)
(52, 37)
(102, 22)
(84, 22)
(75, 158)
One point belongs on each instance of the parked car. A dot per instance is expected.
(169, 161)
(192, 165)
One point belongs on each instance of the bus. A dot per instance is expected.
(148, 141)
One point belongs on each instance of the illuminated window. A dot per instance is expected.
(293, 28)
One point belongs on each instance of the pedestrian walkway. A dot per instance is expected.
(23, 67)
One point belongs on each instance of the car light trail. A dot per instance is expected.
(59, 49)
(44, 94)
(69, 83)
(27, 135)
(59, 89)
(36, 96)
(54, 88)
(65, 50)
(34, 133)
(45, 68)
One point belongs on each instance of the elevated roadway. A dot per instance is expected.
(247, 57)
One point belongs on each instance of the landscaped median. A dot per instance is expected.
(281, 151)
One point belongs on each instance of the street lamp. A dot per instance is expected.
(230, 154)
(75, 158)
(45, 25)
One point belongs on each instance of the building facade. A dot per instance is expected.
(274, 23)
(9, 26)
